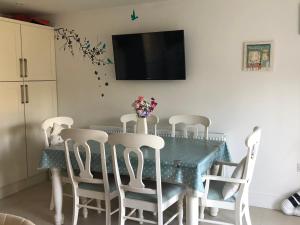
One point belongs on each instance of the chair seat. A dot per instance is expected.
(215, 191)
(168, 191)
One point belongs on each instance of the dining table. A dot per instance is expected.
(183, 160)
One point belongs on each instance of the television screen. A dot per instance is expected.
(150, 56)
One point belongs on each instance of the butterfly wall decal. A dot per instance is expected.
(133, 16)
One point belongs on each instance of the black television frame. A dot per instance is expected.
(183, 77)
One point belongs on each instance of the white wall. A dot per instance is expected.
(215, 86)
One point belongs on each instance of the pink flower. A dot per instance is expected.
(140, 98)
(142, 107)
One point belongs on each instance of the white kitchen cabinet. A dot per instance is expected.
(13, 163)
(40, 104)
(10, 51)
(38, 53)
(28, 96)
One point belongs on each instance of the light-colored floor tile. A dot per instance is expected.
(33, 203)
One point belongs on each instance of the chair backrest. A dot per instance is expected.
(8, 219)
(252, 143)
(190, 121)
(126, 119)
(76, 141)
(133, 144)
(152, 120)
(49, 123)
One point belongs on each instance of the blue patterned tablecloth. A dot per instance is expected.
(182, 160)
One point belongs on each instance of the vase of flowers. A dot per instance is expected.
(141, 125)
(143, 109)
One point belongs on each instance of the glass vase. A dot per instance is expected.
(141, 126)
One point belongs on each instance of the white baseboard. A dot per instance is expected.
(264, 200)
(23, 184)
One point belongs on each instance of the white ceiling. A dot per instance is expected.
(60, 6)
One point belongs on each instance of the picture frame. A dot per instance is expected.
(258, 56)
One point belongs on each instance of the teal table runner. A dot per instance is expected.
(183, 160)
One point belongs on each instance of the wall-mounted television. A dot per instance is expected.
(150, 56)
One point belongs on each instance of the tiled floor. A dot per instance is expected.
(33, 204)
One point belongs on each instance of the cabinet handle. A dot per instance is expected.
(26, 94)
(21, 67)
(26, 68)
(22, 94)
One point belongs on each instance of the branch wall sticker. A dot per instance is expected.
(95, 54)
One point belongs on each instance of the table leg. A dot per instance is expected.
(192, 212)
(58, 196)
(214, 171)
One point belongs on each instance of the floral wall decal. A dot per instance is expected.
(95, 54)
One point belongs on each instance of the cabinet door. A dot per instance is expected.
(13, 165)
(10, 51)
(41, 104)
(38, 53)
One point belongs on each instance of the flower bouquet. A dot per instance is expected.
(144, 108)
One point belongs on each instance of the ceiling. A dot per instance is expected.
(60, 6)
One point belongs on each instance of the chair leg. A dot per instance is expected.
(160, 218)
(247, 215)
(141, 216)
(107, 211)
(202, 208)
(98, 205)
(52, 201)
(238, 216)
(84, 210)
(75, 210)
(180, 211)
(121, 213)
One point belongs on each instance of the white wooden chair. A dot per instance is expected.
(47, 125)
(213, 190)
(153, 196)
(86, 185)
(152, 122)
(190, 121)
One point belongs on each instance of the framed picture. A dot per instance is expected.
(258, 56)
